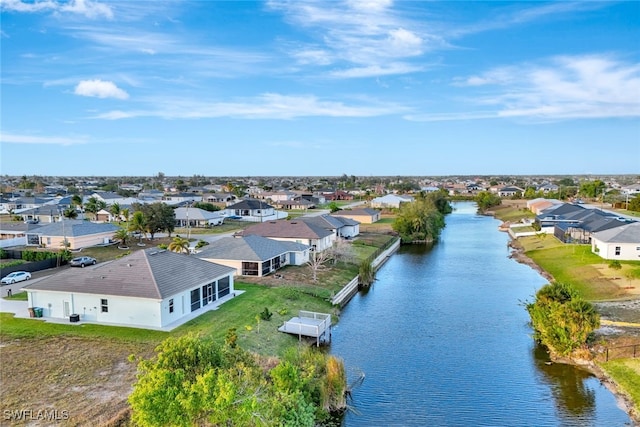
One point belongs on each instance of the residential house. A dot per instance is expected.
(297, 231)
(254, 255)
(195, 217)
(540, 204)
(43, 214)
(510, 191)
(620, 243)
(391, 201)
(111, 198)
(295, 204)
(341, 227)
(148, 289)
(78, 234)
(253, 210)
(580, 226)
(181, 198)
(362, 215)
(548, 218)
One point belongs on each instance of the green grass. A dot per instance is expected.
(626, 374)
(512, 214)
(20, 296)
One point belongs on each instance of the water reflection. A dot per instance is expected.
(569, 386)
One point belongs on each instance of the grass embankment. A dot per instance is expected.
(596, 281)
(84, 369)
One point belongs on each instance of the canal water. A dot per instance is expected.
(442, 339)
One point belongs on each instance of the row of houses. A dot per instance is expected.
(159, 289)
(610, 235)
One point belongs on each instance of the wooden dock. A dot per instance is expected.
(309, 324)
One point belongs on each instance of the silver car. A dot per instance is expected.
(82, 261)
(16, 276)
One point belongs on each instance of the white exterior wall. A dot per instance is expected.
(350, 230)
(607, 250)
(129, 311)
(140, 312)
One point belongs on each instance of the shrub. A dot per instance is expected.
(266, 314)
(615, 265)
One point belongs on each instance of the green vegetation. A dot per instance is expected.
(422, 220)
(486, 200)
(194, 381)
(20, 296)
(561, 320)
(626, 374)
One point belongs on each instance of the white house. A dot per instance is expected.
(297, 231)
(196, 217)
(254, 210)
(150, 288)
(620, 243)
(254, 255)
(391, 201)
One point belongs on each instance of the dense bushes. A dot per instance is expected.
(561, 320)
(196, 381)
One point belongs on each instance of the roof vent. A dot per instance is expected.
(128, 265)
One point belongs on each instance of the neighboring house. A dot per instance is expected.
(43, 214)
(110, 198)
(338, 195)
(148, 289)
(620, 243)
(15, 233)
(295, 204)
(548, 218)
(363, 216)
(548, 188)
(181, 198)
(254, 255)
(19, 204)
(297, 231)
(254, 210)
(391, 201)
(510, 191)
(582, 225)
(538, 205)
(218, 198)
(341, 227)
(78, 233)
(196, 217)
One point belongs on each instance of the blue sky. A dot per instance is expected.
(362, 87)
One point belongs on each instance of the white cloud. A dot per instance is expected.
(87, 8)
(10, 138)
(562, 88)
(376, 70)
(100, 89)
(265, 106)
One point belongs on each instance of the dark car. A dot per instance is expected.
(82, 261)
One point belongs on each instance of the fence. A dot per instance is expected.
(30, 266)
(622, 352)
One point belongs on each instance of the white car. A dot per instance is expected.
(16, 276)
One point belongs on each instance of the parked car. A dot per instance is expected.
(82, 261)
(16, 276)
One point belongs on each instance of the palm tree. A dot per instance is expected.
(179, 244)
(114, 210)
(122, 235)
(125, 214)
(138, 223)
(70, 213)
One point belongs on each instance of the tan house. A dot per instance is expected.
(363, 216)
(78, 233)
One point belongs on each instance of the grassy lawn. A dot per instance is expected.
(626, 374)
(512, 213)
(578, 266)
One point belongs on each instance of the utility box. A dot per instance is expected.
(74, 318)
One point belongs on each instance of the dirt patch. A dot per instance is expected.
(87, 379)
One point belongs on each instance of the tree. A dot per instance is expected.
(138, 223)
(94, 206)
(486, 200)
(114, 210)
(122, 235)
(159, 217)
(125, 214)
(76, 200)
(70, 213)
(420, 220)
(179, 244)
(317, 262)
(562, 320)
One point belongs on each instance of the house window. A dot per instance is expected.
(104, 306)
(617, 250)
(266, 268)
(171, 305)
(195, 299)
(223, 286)
(249, 268)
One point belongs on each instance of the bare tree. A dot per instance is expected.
(317, 261)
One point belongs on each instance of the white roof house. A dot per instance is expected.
(153, 288)
(391, 201)
(620, 243)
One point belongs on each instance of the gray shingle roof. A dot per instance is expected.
(250, 204)
(151, 273)
(249, 248)
(76, 228)
(629, 233)
(288, 229)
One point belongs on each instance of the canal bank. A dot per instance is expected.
(442, 339)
